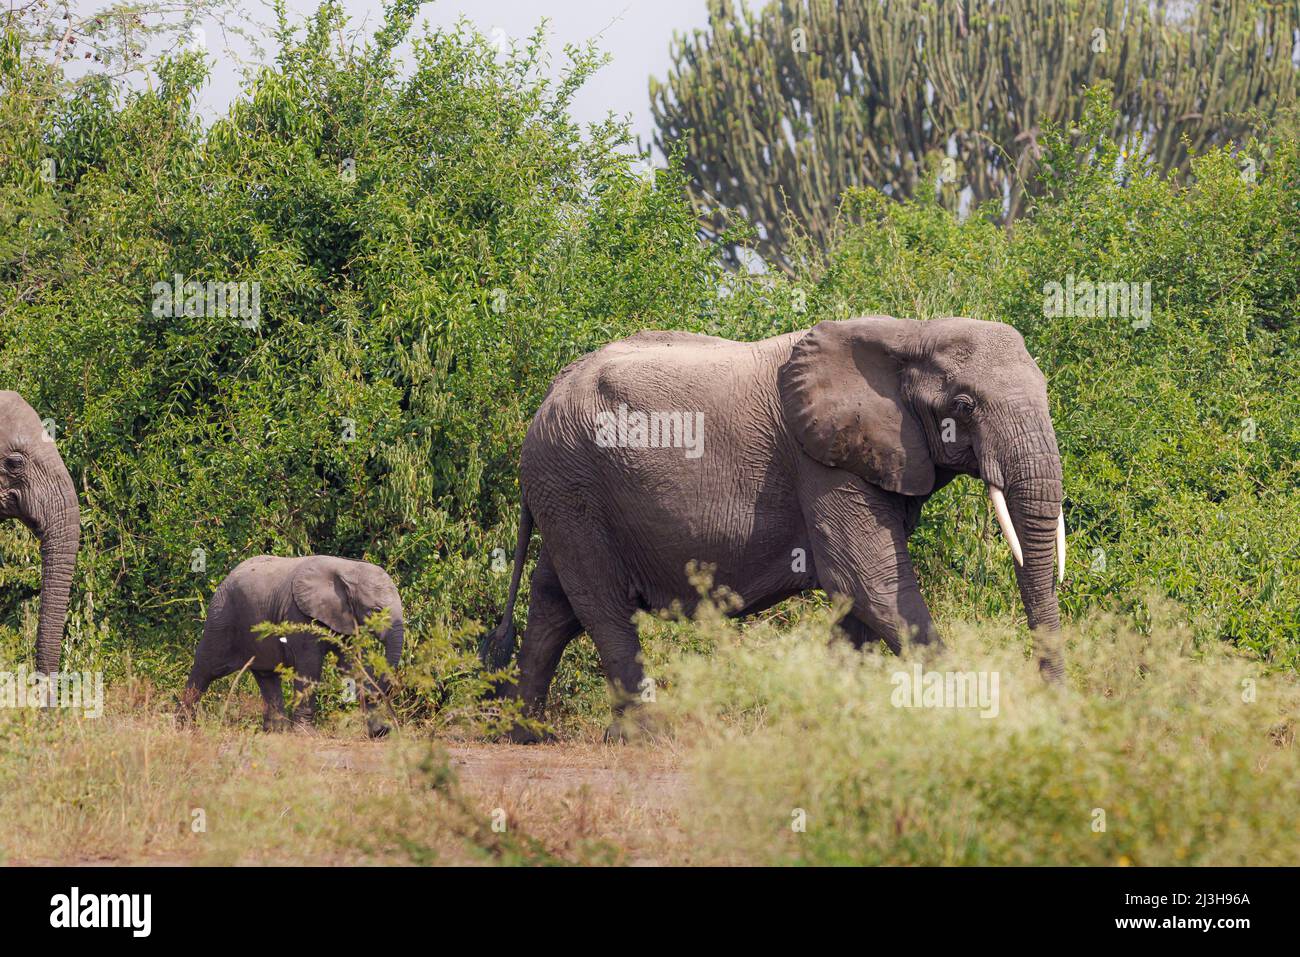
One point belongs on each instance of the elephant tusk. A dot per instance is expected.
(1004, 521)
(1060, 547)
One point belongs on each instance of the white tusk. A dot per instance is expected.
(1004, 520)
(1060, 547)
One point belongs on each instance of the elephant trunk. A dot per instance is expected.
(393, 639)
(376, 727)
(58, 526)
(1038, 519)
(1027, 494)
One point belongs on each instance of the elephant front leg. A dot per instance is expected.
(199, 679)
(859, 543)
(309, 664)
(373, 691)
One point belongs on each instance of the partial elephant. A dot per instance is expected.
(798, 462)
(337, 593)
(36, 489)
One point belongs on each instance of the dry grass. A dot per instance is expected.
(1181, 755)
(1155, 752)
(131, 788)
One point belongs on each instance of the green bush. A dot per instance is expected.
(804, 752)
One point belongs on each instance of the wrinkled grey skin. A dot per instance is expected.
(35, 488)
(335, 592)
(828, 440)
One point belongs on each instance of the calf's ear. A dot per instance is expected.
(322, 593)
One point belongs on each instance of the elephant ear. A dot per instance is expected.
(841, 392)
(323, 594)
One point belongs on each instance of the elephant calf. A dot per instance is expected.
(335, 592)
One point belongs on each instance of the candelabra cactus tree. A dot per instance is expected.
(777, 112)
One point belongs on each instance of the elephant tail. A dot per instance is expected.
(498, 647)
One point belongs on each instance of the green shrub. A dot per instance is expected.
(1152, 754)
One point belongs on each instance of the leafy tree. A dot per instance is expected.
(115, 40)
(778, 113)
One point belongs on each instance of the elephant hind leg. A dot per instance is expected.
(273, 717)
(201, 676)
(594, 582)
(552, 624)
(619, 648)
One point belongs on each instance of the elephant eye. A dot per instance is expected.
(963, 404)
(14, 462)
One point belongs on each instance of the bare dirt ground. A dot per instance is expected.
(558, 770)
(549, 771)
(563, 794)
(305, 798)
(136, 788)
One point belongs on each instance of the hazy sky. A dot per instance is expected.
(636, 33)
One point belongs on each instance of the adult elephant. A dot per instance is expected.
(793, 463)
(35, 488)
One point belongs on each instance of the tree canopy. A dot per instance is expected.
(776, 113)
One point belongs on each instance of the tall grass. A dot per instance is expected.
(1154, 752)
(132, 788)
(769, 743)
